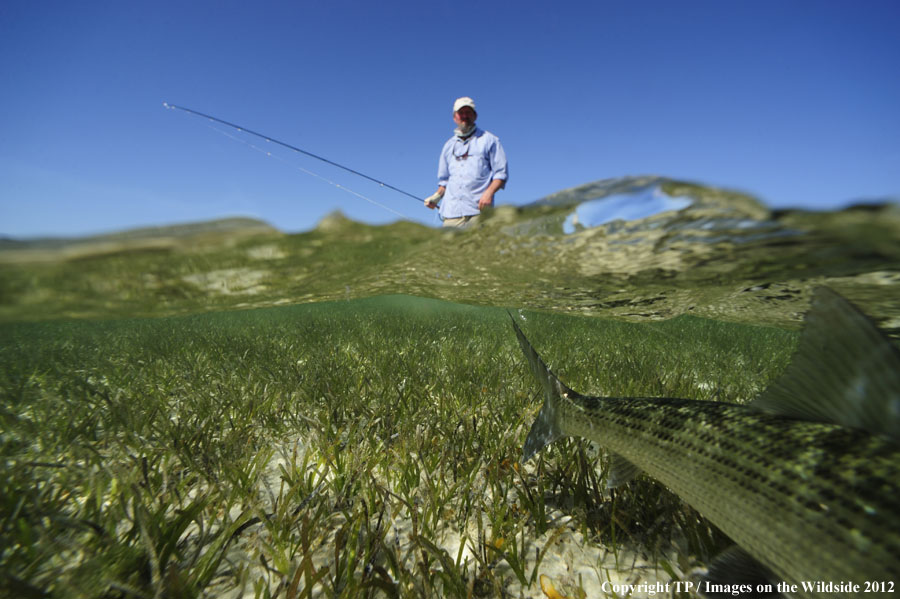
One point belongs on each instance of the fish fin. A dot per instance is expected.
(545, 429)
(735, 567)
(621, 471)
(845, 371)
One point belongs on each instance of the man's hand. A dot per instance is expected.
(434, 199)
(487, 199)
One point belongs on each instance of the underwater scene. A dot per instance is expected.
(226, 410)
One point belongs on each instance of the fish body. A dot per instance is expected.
(809, 498)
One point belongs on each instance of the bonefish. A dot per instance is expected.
(804, 479)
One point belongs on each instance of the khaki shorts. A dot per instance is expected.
(462, 222)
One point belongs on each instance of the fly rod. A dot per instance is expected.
(289, 146)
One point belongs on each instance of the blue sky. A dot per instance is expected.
(795, 102)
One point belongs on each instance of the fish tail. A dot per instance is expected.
(545, 429)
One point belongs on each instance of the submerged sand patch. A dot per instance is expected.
(571, 566)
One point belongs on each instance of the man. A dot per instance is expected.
(471, 169)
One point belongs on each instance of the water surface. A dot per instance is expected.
(644, 248)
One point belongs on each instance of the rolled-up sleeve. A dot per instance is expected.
(499, 166)
(444, 166)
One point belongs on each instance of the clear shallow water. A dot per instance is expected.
(722, 256)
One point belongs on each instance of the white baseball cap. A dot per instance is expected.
(464, 101)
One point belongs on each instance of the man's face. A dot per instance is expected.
(464, 117)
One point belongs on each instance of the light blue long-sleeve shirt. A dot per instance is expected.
(466, 168)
